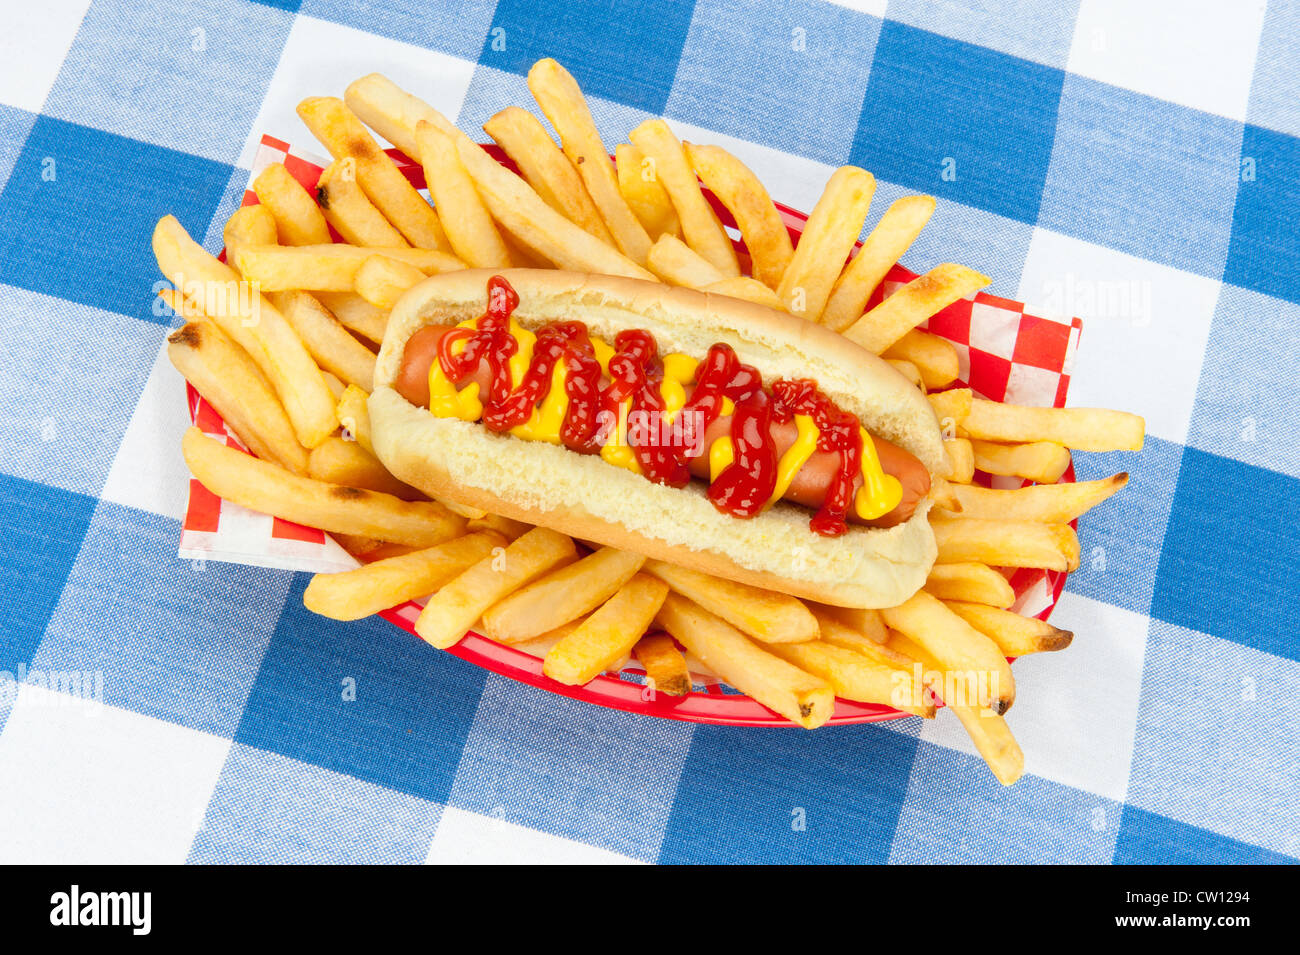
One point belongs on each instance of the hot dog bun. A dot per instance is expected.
(589, 499)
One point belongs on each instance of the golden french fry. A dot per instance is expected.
(700, 226)
(837, 633)
(505, 526)
(265, 487)
(453, 609)
(546, 168)
(855, 677)
(896, 230)
(749, 290)
(943, 495)
(248, 225)
(536, 225)
(225, 375)
(1048, 503)
(562, 595)
(298, 219)
(866, 623)
(908, 371)
(644, 195)
(1005, 543)
(970, 581)
(798, 696)
(355, 594)
(912, 304)
(951, 408)
(354, 416)
(676, 263)
(763, 614)
(342, 133)
(392, 112)
(760, 224)
(557, 93)
(1042, 461)
(339, 461)
(1015, 635)
(827, 240)
(960, 459)
(465, 219)
(955, 645)
(344, 204)
(1083, 429)
(665, 666)
(934, 357)
(254, 324)
(354, 312)
(609, 634)
(329, 268)
(381, 281)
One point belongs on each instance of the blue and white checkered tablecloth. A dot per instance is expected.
(1134, 163)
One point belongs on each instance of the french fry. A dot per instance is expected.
(955, 645)
(970, 581)
(1015, 635)
(557, 93)
(748, 290)
(297, 217)
(951, 408)
(1042, 461)
(453, 609)
(1048, 503)
(943, 495)
(855, 677)
(225, 375)
(1005, 543)
(537, 226)
(541, 646)
(329, 268)
(665, 667)
(609, 634)
(867, 623)
(381, 281)
(344, 204)
(355, 594)
(339, 461)
(760, 224)
(465, 219)
(837, 633)
(676, 263)
(893, 234)
(392, 112)
(327, 341)
(507, 527)
(1083, 429)
(912, 304)
(644, 195)
(700, 227)
(355, 313)
(960, 459)
(546, 168)
(270, 489)
(254, 324)
(561, 596)
(335, 386)
(934, 357)
(342, 133)
(827, 240)
(763, 614)
(908, 371)
(798, 696)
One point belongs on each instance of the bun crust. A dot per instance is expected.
(589, 499)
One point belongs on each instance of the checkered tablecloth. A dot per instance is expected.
(1133, 163)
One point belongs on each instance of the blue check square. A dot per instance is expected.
(773, 74)
(80, 206)
(1265, 251)
(785, 796)
(958, 121)
(1228, 563)
(1143, 176)
(619, 50)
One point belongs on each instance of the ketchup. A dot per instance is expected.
(635, 371)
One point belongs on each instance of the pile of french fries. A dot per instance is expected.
(281, 340)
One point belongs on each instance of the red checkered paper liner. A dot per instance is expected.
(1008, 352)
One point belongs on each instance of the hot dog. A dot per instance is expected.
(699, 429)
